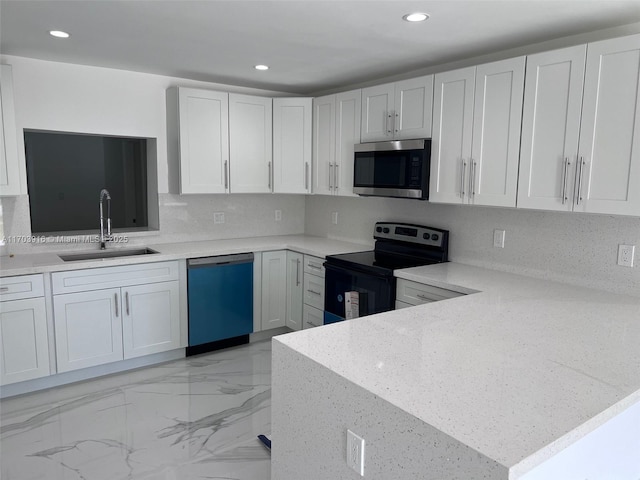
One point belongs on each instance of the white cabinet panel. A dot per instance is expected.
(23, 340)
(324, 146)
(551, 128)
(9, 166)
(314, 265)
(23, 286)
(496, 133)
(250, 143)
(413, 108)
(151, 318)
(312, 317)
(377, 113)
(609, 150)
(88, 328)
(295, 275)
(204, 140)
(292, 118)
(452, 129)
(413, 293)
(314, 291)
(274, 289)
(347, 134)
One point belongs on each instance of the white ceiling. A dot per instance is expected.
(310, 45)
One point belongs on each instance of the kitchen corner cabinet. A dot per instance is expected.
(9, 163)
(581, 138)
(274, 289)
(396, 111)
(336, 131)
(250, 143)
(476, 134)
(108, 314)
(23, 329)
(295, 285)
(292, 118)
(203, 133)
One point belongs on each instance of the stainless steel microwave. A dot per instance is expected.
(393, 169)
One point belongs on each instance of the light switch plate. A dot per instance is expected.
(498, 238)
(334, 218)
(355, 452)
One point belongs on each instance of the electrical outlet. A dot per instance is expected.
(218, 217)
(625, 255)
(498, 238)
(278, 215)
(334, 218)
(355, 452)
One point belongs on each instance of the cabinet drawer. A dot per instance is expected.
(24, 286)
(110, 277)
(417, 293)
(314, 265)
(314, 291)
(312, 317)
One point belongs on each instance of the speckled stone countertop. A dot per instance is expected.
(24, 264)
(518, 371)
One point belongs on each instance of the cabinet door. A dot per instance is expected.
(23, 340)
(292, 145)
(150, 319)
(609, 152)
(550, 128)
(9, 171)
(295, 287)
(347, 124)
(377, 105)
(413, 108)
(250, 144)
(451, 144)
(204, 140)
(324, 144)
(274, 289)
(88, 328)
(312, 317)
(496, 133)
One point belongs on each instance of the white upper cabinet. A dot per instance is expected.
(608, 179)
(9, 170)
(476, 140)
(324, 144)
(250, 144)
(451, 143)
(551, 128)
(581, 129)
(496, 133)
(398, 110)
(203, 123)
(292, 118)
(336, 129)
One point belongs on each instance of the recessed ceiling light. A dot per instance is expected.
(415, 17)
(261, 67)
(59, 34)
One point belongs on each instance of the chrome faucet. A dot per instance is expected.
(104, 193)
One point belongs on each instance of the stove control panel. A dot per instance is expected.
(418, 234)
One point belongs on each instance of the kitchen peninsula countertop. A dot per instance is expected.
(30, 263)
(517, 371)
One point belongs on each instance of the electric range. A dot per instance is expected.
(362, 283)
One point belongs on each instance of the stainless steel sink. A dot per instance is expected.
(103, 254)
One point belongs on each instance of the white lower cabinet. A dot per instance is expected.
(294, 290)
(138, 315)
(312, 316)
(88, 328)
(148, 324)
(274, 289)
(23, 340)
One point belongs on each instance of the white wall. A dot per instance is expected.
(85, 99)
(570, 247)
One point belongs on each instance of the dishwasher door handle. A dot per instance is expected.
(220, 260)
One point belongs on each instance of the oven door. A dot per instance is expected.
(376, 292)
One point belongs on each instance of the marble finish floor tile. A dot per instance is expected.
(190, 419)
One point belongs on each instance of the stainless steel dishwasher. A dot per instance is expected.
(220, 301)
